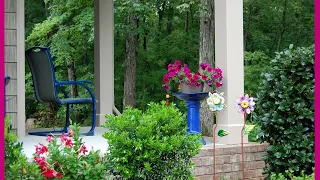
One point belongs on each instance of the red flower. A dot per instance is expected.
(59, 176)
(69, 143)
(42, 163)
(49, 173)
(41, 149)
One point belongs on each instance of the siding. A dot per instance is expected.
(11, 59)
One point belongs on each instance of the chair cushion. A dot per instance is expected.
(76, 100)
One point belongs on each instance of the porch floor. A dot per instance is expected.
(96, 141)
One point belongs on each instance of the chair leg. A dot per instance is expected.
(65, 128)
(93, 121)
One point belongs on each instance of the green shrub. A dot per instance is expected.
(255, 63)
(151, 145)
(289, 173)
(286, 106)
(16, 163)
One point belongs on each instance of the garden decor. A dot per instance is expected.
(46, 87)
(189, 82)
(193, 107)
(215, 102)
(245, 105)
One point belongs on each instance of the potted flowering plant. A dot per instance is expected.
(68, 157)
(181, 75)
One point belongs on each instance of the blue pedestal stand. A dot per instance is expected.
(193, 105)
(6, 82)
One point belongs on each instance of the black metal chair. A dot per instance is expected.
(46, 87)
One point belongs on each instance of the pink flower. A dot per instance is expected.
(197, 84)
(49, 138)
(203, 66)
(63, 137)
(70, 132)
(189, 76)
(186, 69)
(164, 86)
(83, 149)
(42, 163)
(210, 69)
(165, 78)
(215, 76)
(171, 74)
(204, 77)
(218, 84)
(177, 62)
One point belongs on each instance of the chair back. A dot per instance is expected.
(43, 75)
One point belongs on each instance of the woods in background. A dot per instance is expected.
(150, 34)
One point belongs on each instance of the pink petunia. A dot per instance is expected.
(49, 138)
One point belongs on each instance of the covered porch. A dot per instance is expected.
(229, 57)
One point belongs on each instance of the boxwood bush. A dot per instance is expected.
(286, 102)
(151, 145)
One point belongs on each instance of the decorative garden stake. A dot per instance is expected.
(215, 103)
(245, 105)
(167, 99)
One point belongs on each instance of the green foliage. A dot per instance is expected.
(289, 173)
(151, 145)
(286, 106)
(16, 163)
(69, 158)
(255, 63)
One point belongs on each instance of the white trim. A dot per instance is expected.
(20, 69)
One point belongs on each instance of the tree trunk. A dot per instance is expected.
(72, 77)
(283, 24)
(169, 23)
(206, 54)
(129, 96)
(186, 26)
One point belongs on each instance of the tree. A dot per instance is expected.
(206, 55)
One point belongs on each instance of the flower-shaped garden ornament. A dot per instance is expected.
(215, 102)
(245, 104)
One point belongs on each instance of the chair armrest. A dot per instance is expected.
(81, 83)
(63, 91)
(74, 82)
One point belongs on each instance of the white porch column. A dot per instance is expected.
(103, 57)
(21, 106)
(229, 57)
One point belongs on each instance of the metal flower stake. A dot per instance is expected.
(215, 102)
(245, 105)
